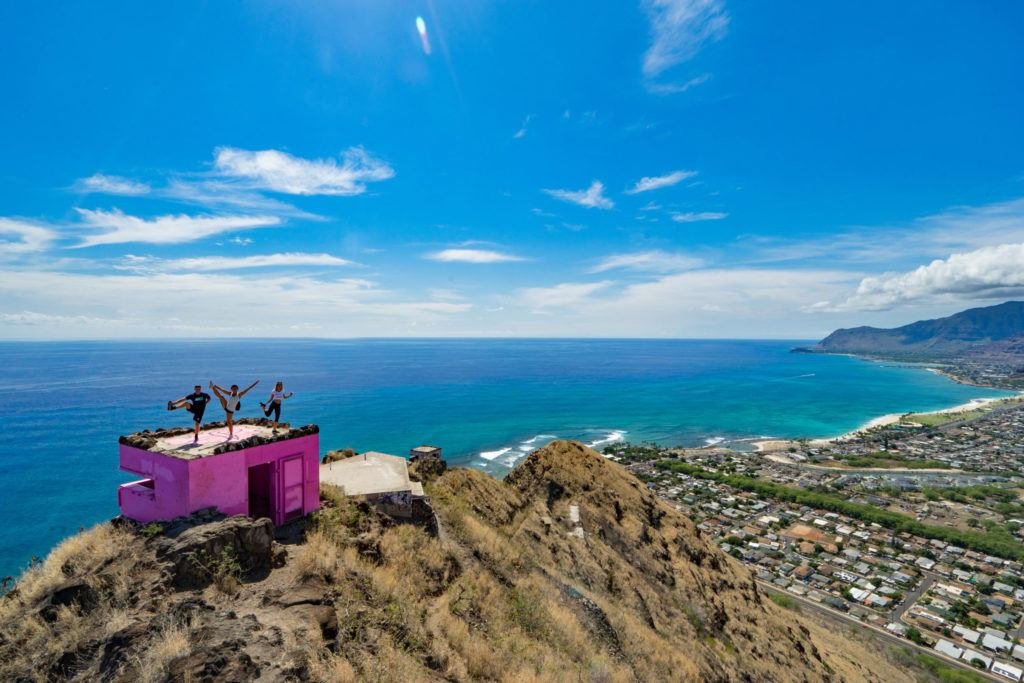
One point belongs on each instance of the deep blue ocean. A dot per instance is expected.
(486, 402)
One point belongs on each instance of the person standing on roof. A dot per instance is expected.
(273, 404)
(231, 401)
(194, 403)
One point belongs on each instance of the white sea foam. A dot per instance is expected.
(491, 455)
(614, 436)
(519, 450)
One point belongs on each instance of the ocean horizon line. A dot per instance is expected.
(119, 340)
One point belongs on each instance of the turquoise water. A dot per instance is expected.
(486, 402)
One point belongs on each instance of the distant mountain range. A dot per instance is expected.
(991, 332)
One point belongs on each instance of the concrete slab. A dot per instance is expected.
(368, 473)
(182, 446)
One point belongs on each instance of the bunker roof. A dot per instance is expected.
(370, 473)
(213, 438)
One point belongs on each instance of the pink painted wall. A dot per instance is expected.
(180, 487)
(168, 496)
(219, 481)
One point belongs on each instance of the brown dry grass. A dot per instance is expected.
(27, 642)
(168, 644)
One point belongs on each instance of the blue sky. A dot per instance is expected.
(676, 168)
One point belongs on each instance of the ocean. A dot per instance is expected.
(487, 403)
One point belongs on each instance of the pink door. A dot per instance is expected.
(292, 485)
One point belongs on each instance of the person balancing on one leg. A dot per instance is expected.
(195, 403)
(273, 404)
(231, 401)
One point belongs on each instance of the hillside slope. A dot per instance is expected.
(570, 569)
(941, 337)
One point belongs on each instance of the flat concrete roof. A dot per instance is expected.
(369, 473)
(182, 445)
(213, 438)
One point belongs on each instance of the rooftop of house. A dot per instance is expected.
(213, 438)
(370, 473)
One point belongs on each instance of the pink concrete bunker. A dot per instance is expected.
(261, 473)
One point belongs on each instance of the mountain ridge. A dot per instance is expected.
(981, 331)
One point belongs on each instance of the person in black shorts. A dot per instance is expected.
(194, 403)
(272, 406)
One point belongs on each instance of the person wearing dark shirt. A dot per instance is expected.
(194, 403)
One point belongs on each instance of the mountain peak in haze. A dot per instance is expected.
(965, 333)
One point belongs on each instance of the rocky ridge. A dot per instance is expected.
(568, 569)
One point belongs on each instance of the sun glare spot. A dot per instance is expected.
(421, 28)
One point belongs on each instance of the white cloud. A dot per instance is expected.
(677, 88)
(679, 29)
(987, 273)
(521, 133)
(281, 172)
(117, 227)
(710, 302)
(52, 304)
(35, 318)
(900, 246)
(471, 256)
(693, 217)
(111, 184)
(28, 237)
(593, 197)
(653, 261)
(221, 195)
(648, 183)
(213, 263)
(560, 295)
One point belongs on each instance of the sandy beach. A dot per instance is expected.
(770, 445)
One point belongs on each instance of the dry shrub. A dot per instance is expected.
(325, 667)
(425, 563)
(497, 552)
(117, 620)
(75, 554)
(168, 644)
(27, 643)
(567, 632)
(318, 556)
(391, 663)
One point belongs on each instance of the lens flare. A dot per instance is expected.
(421, 28)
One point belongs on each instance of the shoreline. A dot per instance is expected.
(771, 445)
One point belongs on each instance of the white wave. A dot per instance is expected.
(519, 451)
(613, 437)
(491, 455)
(714, 440)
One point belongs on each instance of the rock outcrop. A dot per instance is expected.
(236, 545)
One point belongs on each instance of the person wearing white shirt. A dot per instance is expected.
(273, 404)
(231, 401)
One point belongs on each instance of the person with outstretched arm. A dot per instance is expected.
(194, 403)
(273, 404)
(230, 401)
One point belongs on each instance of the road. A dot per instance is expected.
(830, 613)
(927, 582)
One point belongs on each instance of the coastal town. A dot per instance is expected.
(914, 527)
